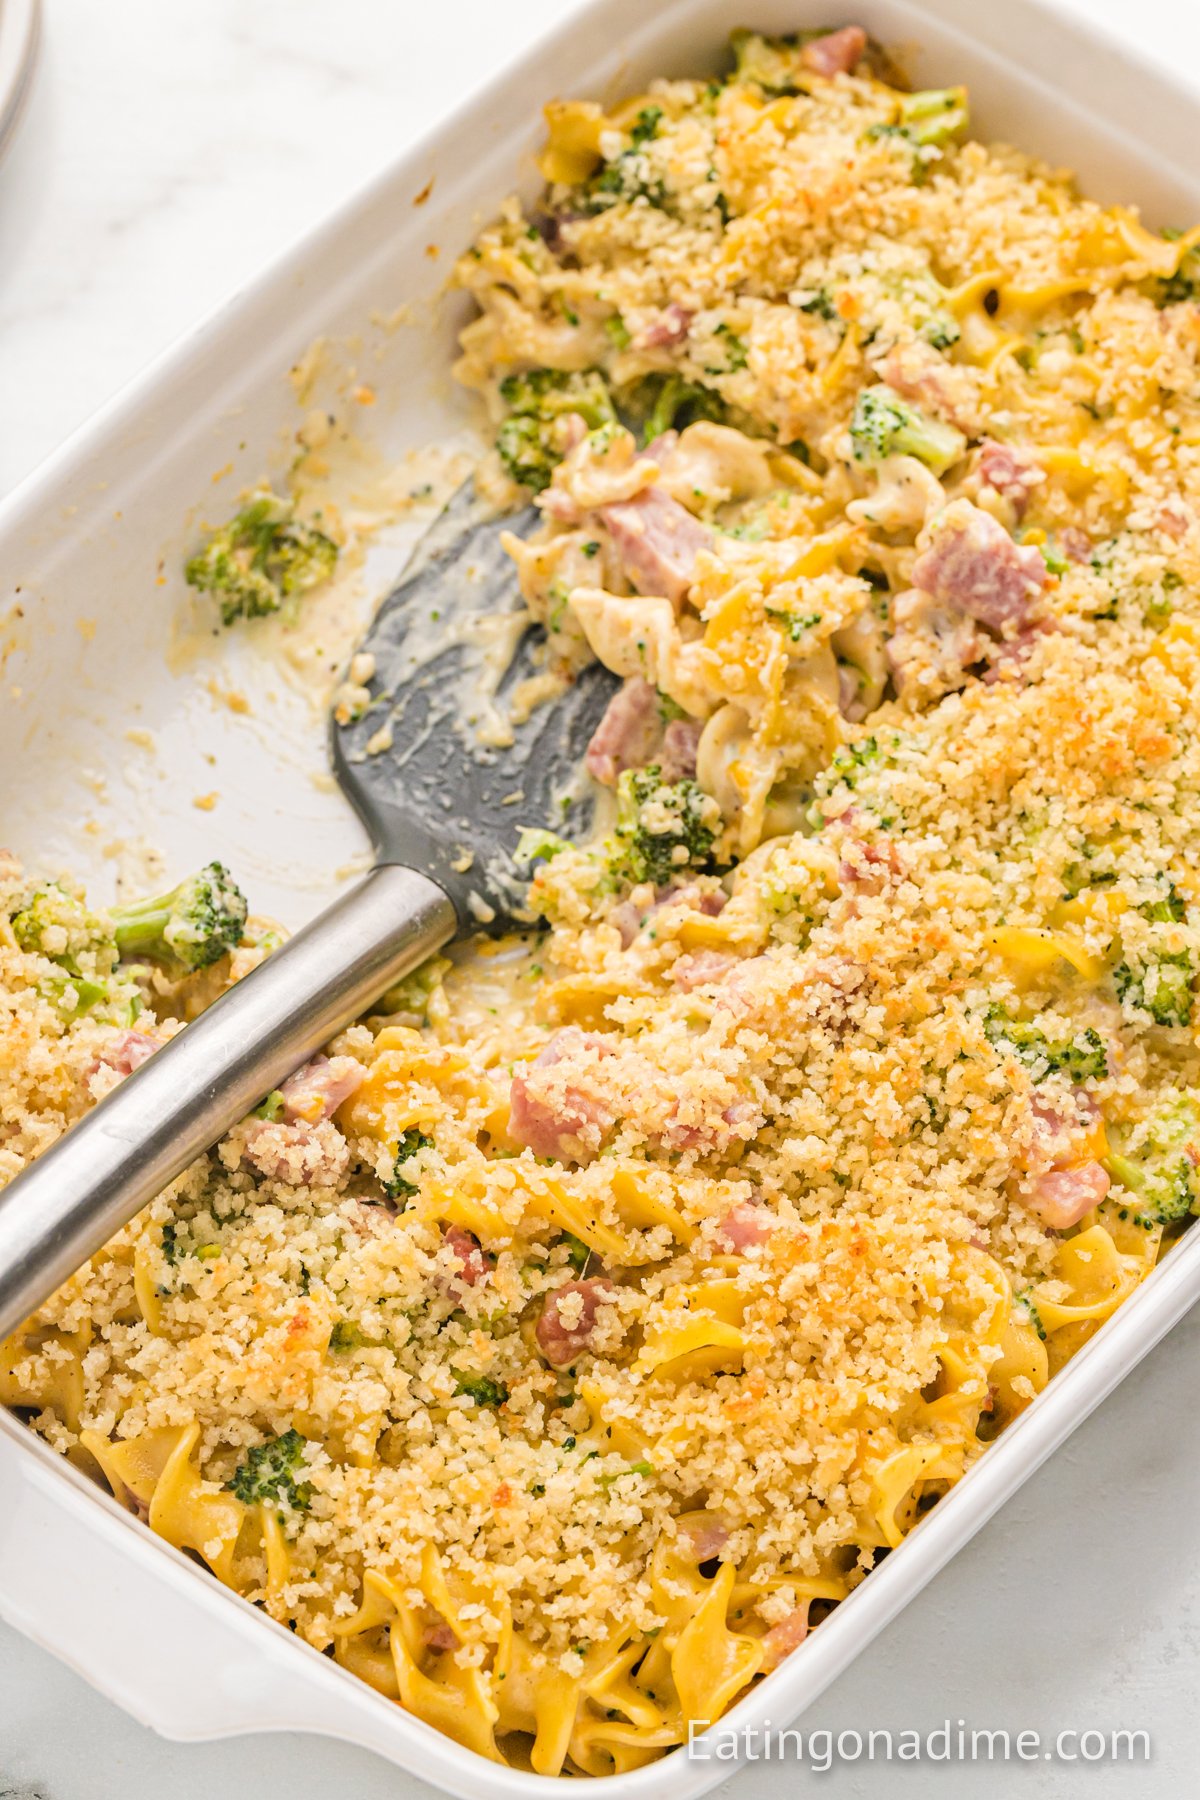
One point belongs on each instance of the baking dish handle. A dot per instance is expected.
(68, 1203)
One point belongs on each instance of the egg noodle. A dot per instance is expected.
(564, 1347)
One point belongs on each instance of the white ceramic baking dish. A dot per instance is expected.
(90, 550)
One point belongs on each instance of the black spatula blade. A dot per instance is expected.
(441, 789)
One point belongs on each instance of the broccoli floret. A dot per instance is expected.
(1081, 1058)
(577, 1251)
(1161, 985)
(397, 1186)
(1024, 1299)
(189, 928)
(884, 424)
(935, 115)
(54, 924)
(532, 440)
(629, 176)
(672, 404)
(268, 1475)
(262, 557)
(662, 827)
(536, 845)
(480, 1388)
(1162, 1176)
(345, 1337)
(1159, 980)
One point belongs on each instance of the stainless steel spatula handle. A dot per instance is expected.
(67, 1204)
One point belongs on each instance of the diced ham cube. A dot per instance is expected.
(568, 1320)
(667, 330)
(627, 735)
(869, 866)
(126, 1051)
(1075, 545)
(1007, 658)
(1009, 473)
(551, 1110)
(471, 1261)
(317, 1089)
(657, 541)
(715, 1133)
(699, 968)
(707, 1536)
(1061, 1197)
(677, 757)
(836, 52)
(785, 1637)
(440, 1636)
(304, 1154)
(970, 563)
(746, 1225)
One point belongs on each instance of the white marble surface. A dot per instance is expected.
(167, 153)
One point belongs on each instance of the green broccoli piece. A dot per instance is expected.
(662, 827)
(344, 1337)
(886, 425)
(1023, 1298)
(54, 924)
(480, 1388)
(536, 845)
(1161, 985)
(1081, 1058)
(532, 440)
(935, 115)
(413, 994)
(260, 559)
(189, 928)
(672, 404)
(1159, 980)
(577, 1251)
(628, 176)
(397, 1186)
(1162, 1176)
(267, 1476)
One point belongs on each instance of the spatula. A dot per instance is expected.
(442, 786)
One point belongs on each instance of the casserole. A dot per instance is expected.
(188, 445)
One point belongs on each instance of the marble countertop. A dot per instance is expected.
(167, 153)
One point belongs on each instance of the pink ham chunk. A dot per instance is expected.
(552, 1110)
(785, 1637)
(1061, 1197)
(569, 1316)
(628, 734)
(664, 332)
(1009, 473)
(835, 52)
(127, 1051)
(657, 541)
(317, 1089)
(471, 1261)
(707, 1536)
(699, 968)
(301, 1155)
(677, 757)
(745, 1226)
(972, 565)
